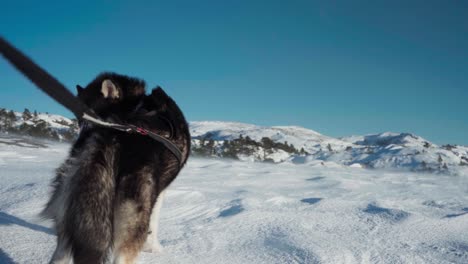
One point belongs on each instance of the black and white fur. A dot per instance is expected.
(107, 194)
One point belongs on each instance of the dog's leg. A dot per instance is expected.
(62, 254)
(152, 244)
(131, 224)
(132, 215)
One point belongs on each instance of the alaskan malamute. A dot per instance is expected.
(106, 195)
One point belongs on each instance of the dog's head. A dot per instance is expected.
(111, 93)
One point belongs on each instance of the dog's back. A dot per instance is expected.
(104, 193)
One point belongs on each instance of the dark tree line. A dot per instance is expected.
(241, 146)
(32, 126)
(7, 120)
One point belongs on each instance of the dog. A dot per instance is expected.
(107, 194)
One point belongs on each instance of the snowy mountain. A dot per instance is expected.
(278, 144)
(385, 150)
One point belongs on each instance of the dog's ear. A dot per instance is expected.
(158, 92)
(159, 96)
(160, 99)
(79, 89)
(109, 89)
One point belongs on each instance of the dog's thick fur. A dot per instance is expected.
(105, 192)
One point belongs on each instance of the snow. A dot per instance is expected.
(54, 121)
(223, 211)
(355, 165)
(298, 136)
(387, 150)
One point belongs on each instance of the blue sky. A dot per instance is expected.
(338, 67)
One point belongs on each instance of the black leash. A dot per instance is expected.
(52, 87)
(42, 79)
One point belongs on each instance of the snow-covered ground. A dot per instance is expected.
(220, 211)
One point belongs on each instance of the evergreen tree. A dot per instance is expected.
(39, 130)
(463, 161)
(26, 114)
(229, 150)
(53, 135)
(449, 147)
(75, 124)
(293, 149)
(210, 147)
(69, 134)
(424, 165)
(303, 152)
(12, 115)
(267, 143)
(10, 119)
(3, 114)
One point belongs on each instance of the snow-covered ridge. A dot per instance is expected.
(298, 136)
(290, 144)
(384, 150)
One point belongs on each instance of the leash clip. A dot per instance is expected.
(141, 131)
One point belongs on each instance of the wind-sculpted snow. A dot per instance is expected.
(221, 211)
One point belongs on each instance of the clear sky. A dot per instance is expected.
(337, 67)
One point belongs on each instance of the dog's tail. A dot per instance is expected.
(89, 217)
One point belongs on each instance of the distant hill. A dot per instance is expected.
(41, 125)
(277, 144)
(299, 145)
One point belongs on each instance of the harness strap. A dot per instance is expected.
(134, 129)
